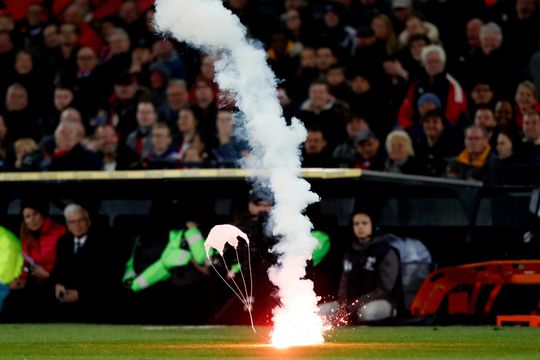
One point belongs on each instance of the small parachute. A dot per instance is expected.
(219, 236)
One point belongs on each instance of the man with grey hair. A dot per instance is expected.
(68, 153)
(489, 62)
(436, 80)
(81, 269)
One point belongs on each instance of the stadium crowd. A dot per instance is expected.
(436, 88)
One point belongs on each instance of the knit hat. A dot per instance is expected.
(429, 98)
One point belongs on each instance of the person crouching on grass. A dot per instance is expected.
(370, 288)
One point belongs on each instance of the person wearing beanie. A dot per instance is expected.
(370, 288)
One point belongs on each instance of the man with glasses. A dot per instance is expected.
(471, 162)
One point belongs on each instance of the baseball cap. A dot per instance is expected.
(397, 4)
(363, 136)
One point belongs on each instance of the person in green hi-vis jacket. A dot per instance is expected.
(184, 248)
(11, 261)
(166, 276)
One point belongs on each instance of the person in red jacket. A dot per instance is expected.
(39, 235)
(435, 80)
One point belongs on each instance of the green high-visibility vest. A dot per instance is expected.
(172, 256)
(11, 260)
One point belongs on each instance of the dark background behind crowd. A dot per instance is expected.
(437, 88)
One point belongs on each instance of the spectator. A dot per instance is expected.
(335, 31)
(62, 99)
(139, 140)
(531, 136)
(80, 285)
(526, 101)
(89, 91)
(522, 32)
(65, 59)
(163, 50)
(408, 65)
(489, 60)
(470, 163)
(485, 118)
(115, 155)
(369, 156)
(39, 235)
(306, 73)
(27, 74)
(368, 55)
(69, 154)
(177, 98)
(507, 166)
(159, 79)
(188, 125)
(504, 114)
(163, 155)
(315, 153)
(438, 81)
(19, 118)
(207, 71)
(130, 20)
(74, 14)
(31, 28)
(401, 11)
(229, 148)
(141, 59)
(384, 31)
(206, 107)
(370, 287)
(28, 155)
(482, 95)
(280, 56)
(415, 25)
(298, 28)
(401, 159)
(123, 103)
(118, 60)
(436, 143)
(345, 153)
(322, 110)
(338, 83)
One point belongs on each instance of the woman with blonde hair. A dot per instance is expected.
(28, 156)
(526, 101)
(401, 159)
(384, 31)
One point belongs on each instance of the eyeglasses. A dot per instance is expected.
(77, 221)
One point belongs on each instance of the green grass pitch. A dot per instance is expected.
(76, 341)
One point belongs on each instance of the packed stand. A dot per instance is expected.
(439, 88)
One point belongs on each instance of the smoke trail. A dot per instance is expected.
(242, 69)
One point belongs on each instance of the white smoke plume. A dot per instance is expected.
(242, 70)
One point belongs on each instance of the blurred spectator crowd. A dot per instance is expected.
(435, 88)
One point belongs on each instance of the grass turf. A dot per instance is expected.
(76, 341)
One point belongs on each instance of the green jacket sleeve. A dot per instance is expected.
(195, 241)
(322, 248)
